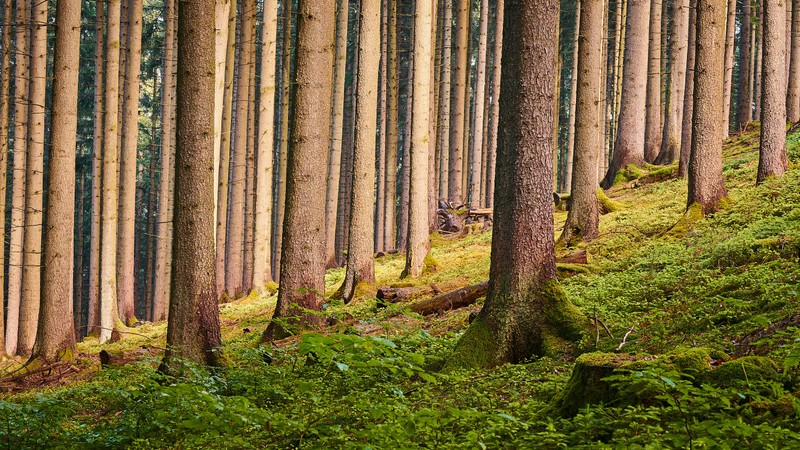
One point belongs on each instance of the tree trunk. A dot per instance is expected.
(759, 46)
(128, 153)
(405, 168)
(583, 217)
(303, 249)
(572, 102)
(432, 87)
(55, 339)
(652, 138)
(494, 116)
(418, 243)
(335, 156)
(730, 34)
(193, 330)
(34, 183)
(249, 186)
(688, 95)
(480, 94)
(629, 145)
(380, 182)
(745, 113)
(361, 243)
(772, 158)
(21, 102)
(793, 100)
(266, 134)
(458, 101)
(671, 147)
(524, 304)
(225, 150)
(706, 185)
(162, 277)
(93, 315)
(234, 266)
(5, 99)
(390, 205)
(222, 12)
(443, 131)
(286, 66)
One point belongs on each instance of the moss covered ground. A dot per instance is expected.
(696, 331)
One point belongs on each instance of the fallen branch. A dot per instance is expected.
(451, 300)
(625, 338)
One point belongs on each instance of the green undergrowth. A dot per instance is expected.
(703, 311)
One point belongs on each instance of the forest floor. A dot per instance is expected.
(661, 288)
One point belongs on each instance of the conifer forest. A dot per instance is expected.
(391, 224)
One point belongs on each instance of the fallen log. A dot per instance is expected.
(579, 257)
(451, 300)
(397, 294)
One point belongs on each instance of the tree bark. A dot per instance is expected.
(729, 51)
(392, 123)
(34, 183)
(524, 302)
(671, 147)
(572, 103)
(5, 99)
(706, 185)
(443, 130)
(629, 145)
(222, 12)
(93, 315)
(458, 101)
(793, 55)
(480, 93)
(380, 167)
(128, 157)
(55, 339)
(494, 115)
(193, 332)
(688, 97)
(583, 217)
(772, 157)
(249, 186)
(451, 300)
(286, 66)
(303, 249)
(652, 138)
(744, 110)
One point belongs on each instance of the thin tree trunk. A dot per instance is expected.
(34, 183)
(127, 182)
(285, 122)
(443, 131)
(745, 112)
(93, 315)
(303, 249)
(380, 183)
(392, 123)
(772, 158)
(757, 76)
(234, 266)
(222, 13)
(249, 186)
(793, 100)
(55, 339)
(730, 34)
(5, 99)
(360, 263)
(405, 181)
(671, 147)
(629, 145)
(494, 116)
(652, 131)
(573, 97)
(432, 86)
(688, 98)
(480, 94)
(706, 185)
(458, 102)
(162, 277)
(193, 332)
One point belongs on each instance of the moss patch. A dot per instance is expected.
(476, 349)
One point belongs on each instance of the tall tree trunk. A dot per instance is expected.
(793, 55)
(745, 111)
(730, 44)
(418, 243)
(706, 185)
(360, 263)
(629, 145)
(127, 182)
(193, 330)
(5, 99)
(266, 134)
(380, 182)
(512, 326)
(480, 93)
(55, 339)
(162, 277)
(688, 97)
(573, 98)
(334, 160)
(234, 265)
(433, 204)
(77, 274)
(458, 102)
(758, 49)
(222, 13)
(223, 170)
(303, 249)
(583, 218)
(494, 116)
(285, 122)
(443, 130)
(93, 315)
(652, 131)
(250, 188)
(772, 159)
(671, 147)
(392, 123)
(405, 168)
(34, 183)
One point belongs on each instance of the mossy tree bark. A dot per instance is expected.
(671, 141)
(361, 243)
(193, 332)
(55, 338)
(303, 248)
(34, 183)
(583, 218)
(772, 159)
(688, 95)
(629, 145)
(525, 305)
(706, 184)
